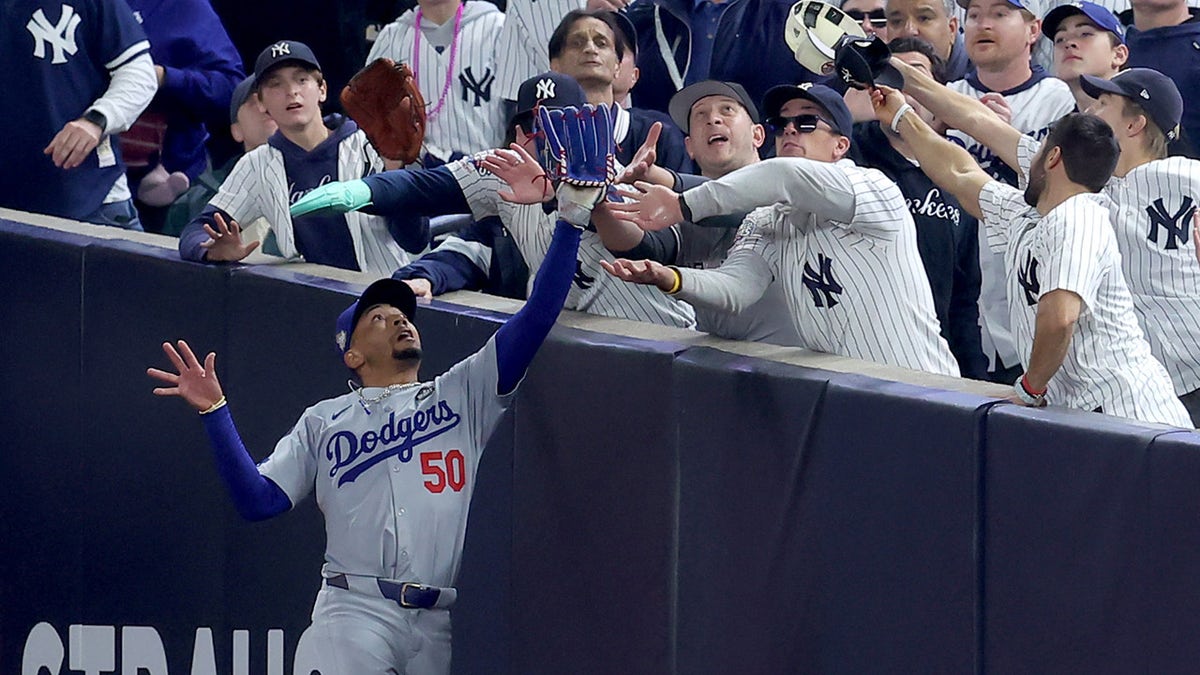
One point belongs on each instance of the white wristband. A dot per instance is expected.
(899, 114)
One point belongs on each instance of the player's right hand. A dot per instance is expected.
(336, 197)
(197, 384)
(225, 241)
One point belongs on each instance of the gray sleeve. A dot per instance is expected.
(732, 287)
(817, 187)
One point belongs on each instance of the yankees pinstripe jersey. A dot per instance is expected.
(259, 186)
(394, 479)
(1036, 105)
(593, 290)
(523, 49)
(470, 118)
(1152, 208)
(1108, 364)
(842, 243)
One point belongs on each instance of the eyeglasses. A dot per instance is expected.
(804, 124)
(877, 18)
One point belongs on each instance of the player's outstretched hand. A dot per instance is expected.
(195, 383)
(643, 159)
(72, 145)
(335, 197)
(650, 207)
(527, 181)
(645, 272)
(225, 241)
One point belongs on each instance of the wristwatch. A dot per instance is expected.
(1028, 397)
(96, 117)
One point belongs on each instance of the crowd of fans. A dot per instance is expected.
(122, 104)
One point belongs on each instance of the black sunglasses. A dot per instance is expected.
(877, 17)
(805, 124)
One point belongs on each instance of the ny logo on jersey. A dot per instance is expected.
(482, 88)
(545, 89)
(1027, 278)
(1175, 224)
(60, 36)
(822, 285)
(582, 280)
(279, 49)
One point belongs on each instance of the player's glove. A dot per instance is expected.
(580, 143)
(863, 63)
(337, 197)
(383, 99)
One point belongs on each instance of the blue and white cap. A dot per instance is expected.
(1097, 14)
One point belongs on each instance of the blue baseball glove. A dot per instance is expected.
(580, 152)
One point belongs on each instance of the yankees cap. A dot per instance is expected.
(383, 292)
(281, 53)
(240, 94)
(1026, 5)
(683, 100)
(628, 32)
(827, 98)
(1150, 89)
(1097, 14)
(553, 90)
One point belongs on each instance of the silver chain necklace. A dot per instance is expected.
(367, 402)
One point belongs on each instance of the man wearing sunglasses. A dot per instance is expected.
(870, 14)
(838, 238)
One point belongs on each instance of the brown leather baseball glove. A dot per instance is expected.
(384, 100)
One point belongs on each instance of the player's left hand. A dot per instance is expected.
(72, 145)
(195, 383)
(650, 207)
(527, 181)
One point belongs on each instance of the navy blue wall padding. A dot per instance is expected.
(1067, 505)
(646, 507)
(594, 503)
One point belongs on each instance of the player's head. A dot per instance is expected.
(721, 123)
(870, 14)
(931, 20)
(550, 90)
(1088, 40)
(999, 34)
(1142, 105)
(1081, 148)
(288, 81)
(249, 123)
(627, 71)
(808, 120)
(376, 332)
(586, 47)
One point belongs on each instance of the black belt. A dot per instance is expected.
(407, 594)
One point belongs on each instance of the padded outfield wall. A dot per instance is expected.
(656, 502)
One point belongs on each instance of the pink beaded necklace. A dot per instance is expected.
(416, 59)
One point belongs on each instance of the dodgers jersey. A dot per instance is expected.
(840, 240)
(1151, 215)
(593, 290)
(1108, 364)
(1036, 105)
(471, 118)
(394, 478)
(58, 59)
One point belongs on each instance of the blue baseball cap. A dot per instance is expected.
(1097, 14)
(383, 292)
(550, 89)
(1154, 92)
(240, 94)
(827, 98)
(282, 53)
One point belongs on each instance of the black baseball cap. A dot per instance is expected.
(282, 53)
(1097, 14)
(550, 89)
(1152, 90)
(383, 292)
(628, 32)
(240, 94)
(827, 98)
(683, 100)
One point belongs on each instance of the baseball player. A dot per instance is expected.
(1071, 311)
(839, 238)
(74, 76)
(302, 155)
(464, 185)
(451, 48)
(1152, 199)
(393, 462)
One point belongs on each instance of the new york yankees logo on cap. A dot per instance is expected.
(279, 49)
(545, 88)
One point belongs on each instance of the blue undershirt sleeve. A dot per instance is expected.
(420, 192)
(255, 496)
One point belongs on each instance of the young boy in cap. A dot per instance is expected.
(306, 152)
(1088, 40)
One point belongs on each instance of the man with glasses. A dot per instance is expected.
(839, 239)
(870, 14)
